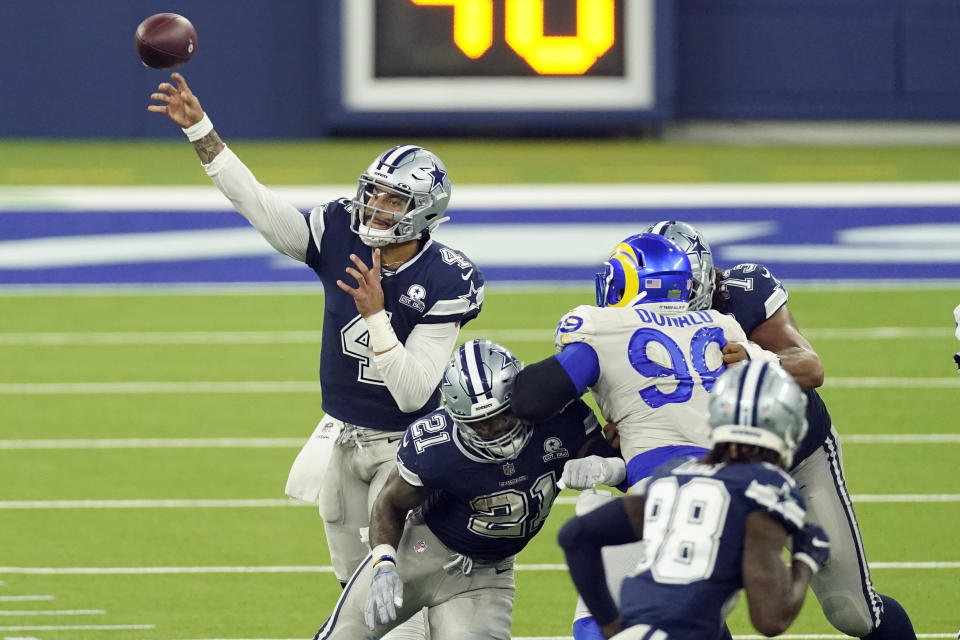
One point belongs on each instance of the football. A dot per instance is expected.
(165, 41)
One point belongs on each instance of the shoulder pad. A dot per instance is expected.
(575, 326)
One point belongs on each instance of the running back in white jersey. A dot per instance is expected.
(657, 367)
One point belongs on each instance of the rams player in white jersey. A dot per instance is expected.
(649, 361)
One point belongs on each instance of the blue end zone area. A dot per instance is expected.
(558, 245)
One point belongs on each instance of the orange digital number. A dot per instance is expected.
(547, 55)
(472, 24)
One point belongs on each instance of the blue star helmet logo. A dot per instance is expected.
(695, 246)
(437, 176)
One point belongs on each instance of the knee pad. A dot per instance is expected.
(847, 614)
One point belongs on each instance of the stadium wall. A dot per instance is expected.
(263, 68)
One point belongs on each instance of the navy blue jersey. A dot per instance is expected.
(694, 525)
(489, 510)
(751, 294)
(438, 285)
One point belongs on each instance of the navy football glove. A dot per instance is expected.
(811, 546)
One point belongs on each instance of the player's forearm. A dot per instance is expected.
(775, 598)
(279, 222)
(386, 524)
(209, 147)
(805, 366)
(413, 370)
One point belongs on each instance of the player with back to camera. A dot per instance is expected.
(711, 526)
(385, 340)
(649, 362)
(478, 484)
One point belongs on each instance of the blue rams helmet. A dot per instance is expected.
(758, 403)
(644, 268)
(414, 175)
(476, 387)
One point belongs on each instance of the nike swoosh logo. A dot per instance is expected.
(817, 542)
(466, 276)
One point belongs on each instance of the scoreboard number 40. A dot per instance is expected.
(546, 54)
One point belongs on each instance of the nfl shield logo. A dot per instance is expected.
(508, 468)
(420, 546)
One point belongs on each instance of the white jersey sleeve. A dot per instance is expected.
(656, 370)
(280, 223)
(413, 370)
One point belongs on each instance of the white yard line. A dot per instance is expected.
(893, 383)
(512, 196)
(296, 386)
(54, 612)
(58, 388)
(152, 504)
(312, 337)
(284, 443)
(328, 569)
(25, 598)
(261, 503)
(80, 627)
(161, 443)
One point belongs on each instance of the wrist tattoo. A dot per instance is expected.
(208, 147)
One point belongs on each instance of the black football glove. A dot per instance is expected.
(956, 358)
(811, 546)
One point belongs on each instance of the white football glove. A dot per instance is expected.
(385, 595)
(586, 473)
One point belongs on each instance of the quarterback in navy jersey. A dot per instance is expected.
(473, 485)
(712, 526)
(758, 301)
(395, 300)
(438, 285)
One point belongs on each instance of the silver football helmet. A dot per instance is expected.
(412, 178)
(476, 388)
(758, 403)
(701, 259)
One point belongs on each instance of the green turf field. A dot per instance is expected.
(156, 522)
(477, 162)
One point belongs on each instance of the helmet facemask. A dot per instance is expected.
(498, 438)
(367, 217)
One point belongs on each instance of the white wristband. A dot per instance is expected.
(382, 337)
(756, 352)
(384, 553)
(807, 560)
(196, 131)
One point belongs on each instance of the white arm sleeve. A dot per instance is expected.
(279, 222)
(413, 370)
